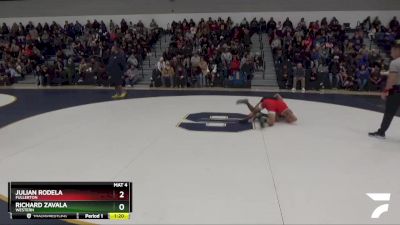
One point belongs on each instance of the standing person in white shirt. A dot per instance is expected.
(391, 94)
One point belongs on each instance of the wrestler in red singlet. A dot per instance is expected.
(274, 105)
(276, 108)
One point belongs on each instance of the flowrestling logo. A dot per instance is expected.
(379, 197)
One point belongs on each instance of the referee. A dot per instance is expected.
(391, 94)
(116, 68)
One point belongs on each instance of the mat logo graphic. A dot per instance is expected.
(215, 122)
(379, 197)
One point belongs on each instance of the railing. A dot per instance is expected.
(260, 39)
(163, 37)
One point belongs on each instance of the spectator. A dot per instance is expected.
(99, 72)
(4, 79)
(153, 25)
(226, 58)
(279, 28)
(288, 24)
(283, 77)
(263, 25)
(349, 83)
(216, 41)
(375, 79)
(299, 75)
(195, 61)
(70, 71)
(323, 72)
(259, 62)
(342, 74)
(271, 26)
(131, 76)
(247, 69)
(168, 74)
(180, 75)
(314, 78)
(205, 72)
(214, 75)
(366, 24)
(376, 23)
(254, 26)
(59, 73)
(132, 60)
(161, 64)
(42, 75)
(235, 68)
(83, 70)
(325, 44)
(31, 46)
(13, 72)
(372, 33)
(374, 58)
(363, 76)
(334, 72)
(276, 44)
(394, 23)
(244, 23)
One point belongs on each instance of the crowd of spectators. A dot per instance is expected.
(211, 52)
(322, 54)
(382, 34)
(208, 53)
(72, 53)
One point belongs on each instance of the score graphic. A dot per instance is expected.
(70, 200)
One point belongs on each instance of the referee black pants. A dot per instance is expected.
(392, 105)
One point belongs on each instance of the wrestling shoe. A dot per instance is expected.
(377, 134)
(242, 101)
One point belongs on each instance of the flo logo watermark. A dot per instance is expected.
(379, 197)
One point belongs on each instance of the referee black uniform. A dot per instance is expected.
(116, 68)
(392, 92)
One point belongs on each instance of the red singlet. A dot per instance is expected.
(273, 105)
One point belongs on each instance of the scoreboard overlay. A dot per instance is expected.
(70, 200)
